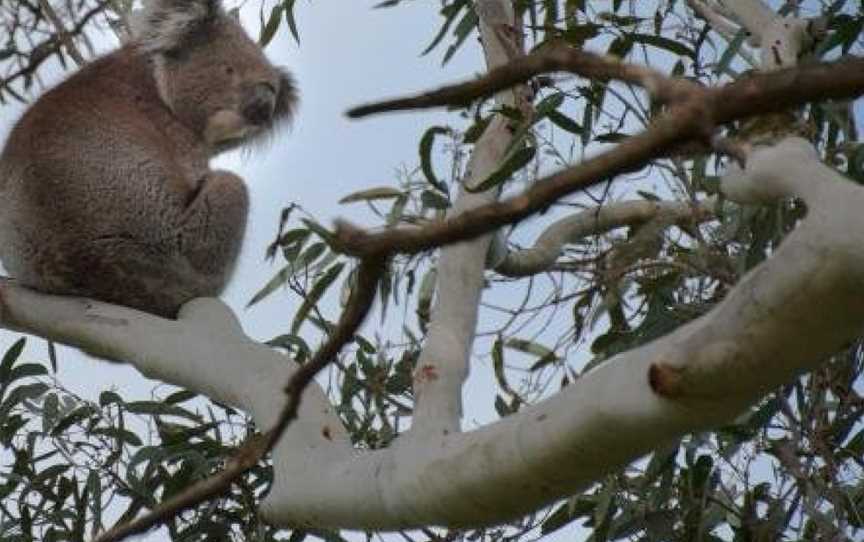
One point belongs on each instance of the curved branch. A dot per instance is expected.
(550, 243)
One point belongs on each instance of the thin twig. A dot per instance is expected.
(64, 36)
(552, 59)
(44, 49)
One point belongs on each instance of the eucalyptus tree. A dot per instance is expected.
(641, 225)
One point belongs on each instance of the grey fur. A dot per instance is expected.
(105, 184)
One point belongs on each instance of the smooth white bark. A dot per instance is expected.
(781, 38)
(754, 15)
(443, 364)
(548, 246)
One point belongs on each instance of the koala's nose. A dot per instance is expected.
(260, 104)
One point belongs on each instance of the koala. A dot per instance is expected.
(105, 186)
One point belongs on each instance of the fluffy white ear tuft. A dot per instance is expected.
(163, 25)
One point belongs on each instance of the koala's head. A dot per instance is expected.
(210, 74)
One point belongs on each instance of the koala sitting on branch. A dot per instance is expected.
(105, 185)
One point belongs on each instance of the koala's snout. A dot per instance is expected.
(260, 104)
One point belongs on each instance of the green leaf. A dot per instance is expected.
(846, 30)
(26, 370)
(9, 359)
(449, 12)
(575, 508)
(855, 446)
(180, 396)
(315, 294)
(498, 365)
(380, 192)
(577, 35)
(611, 137)
(20, 394)
(730, 52)
(432, 199)
(158, 408)
(564, 122)
(426, 143)
(289, 18)
(673, 46)
(319, 230)
(547, 105)
(108, 397)
(76, 416)
(461, 32)
(122, 436)
(277, 281)
(514, 163)
(531, 347)
(301, 262)
(272, 25)
(648, 195)
(620, 46)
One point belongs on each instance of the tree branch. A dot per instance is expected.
(49, 46)
(520, 70)
(64, 36)
(753, 15)
(595, 221)
(362, 297)
(443, 364)
(763, 93)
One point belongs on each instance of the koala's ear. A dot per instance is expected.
(164, 25)
(286, 99)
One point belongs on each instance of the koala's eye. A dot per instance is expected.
(229, 70)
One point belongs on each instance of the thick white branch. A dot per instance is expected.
(782, 39)
(552, 241)
(204, 350)
(782, 319)
(754, 15)
(443, 364)
(718, 22)
(724, 27)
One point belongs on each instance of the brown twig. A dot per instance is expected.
(51, 15)
(362, 297)
(44, 49)
(558, 58)
(689, 118)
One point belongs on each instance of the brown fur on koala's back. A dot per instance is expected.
(94, 192)
(105, 187)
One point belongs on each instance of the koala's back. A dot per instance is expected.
(96, 184)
